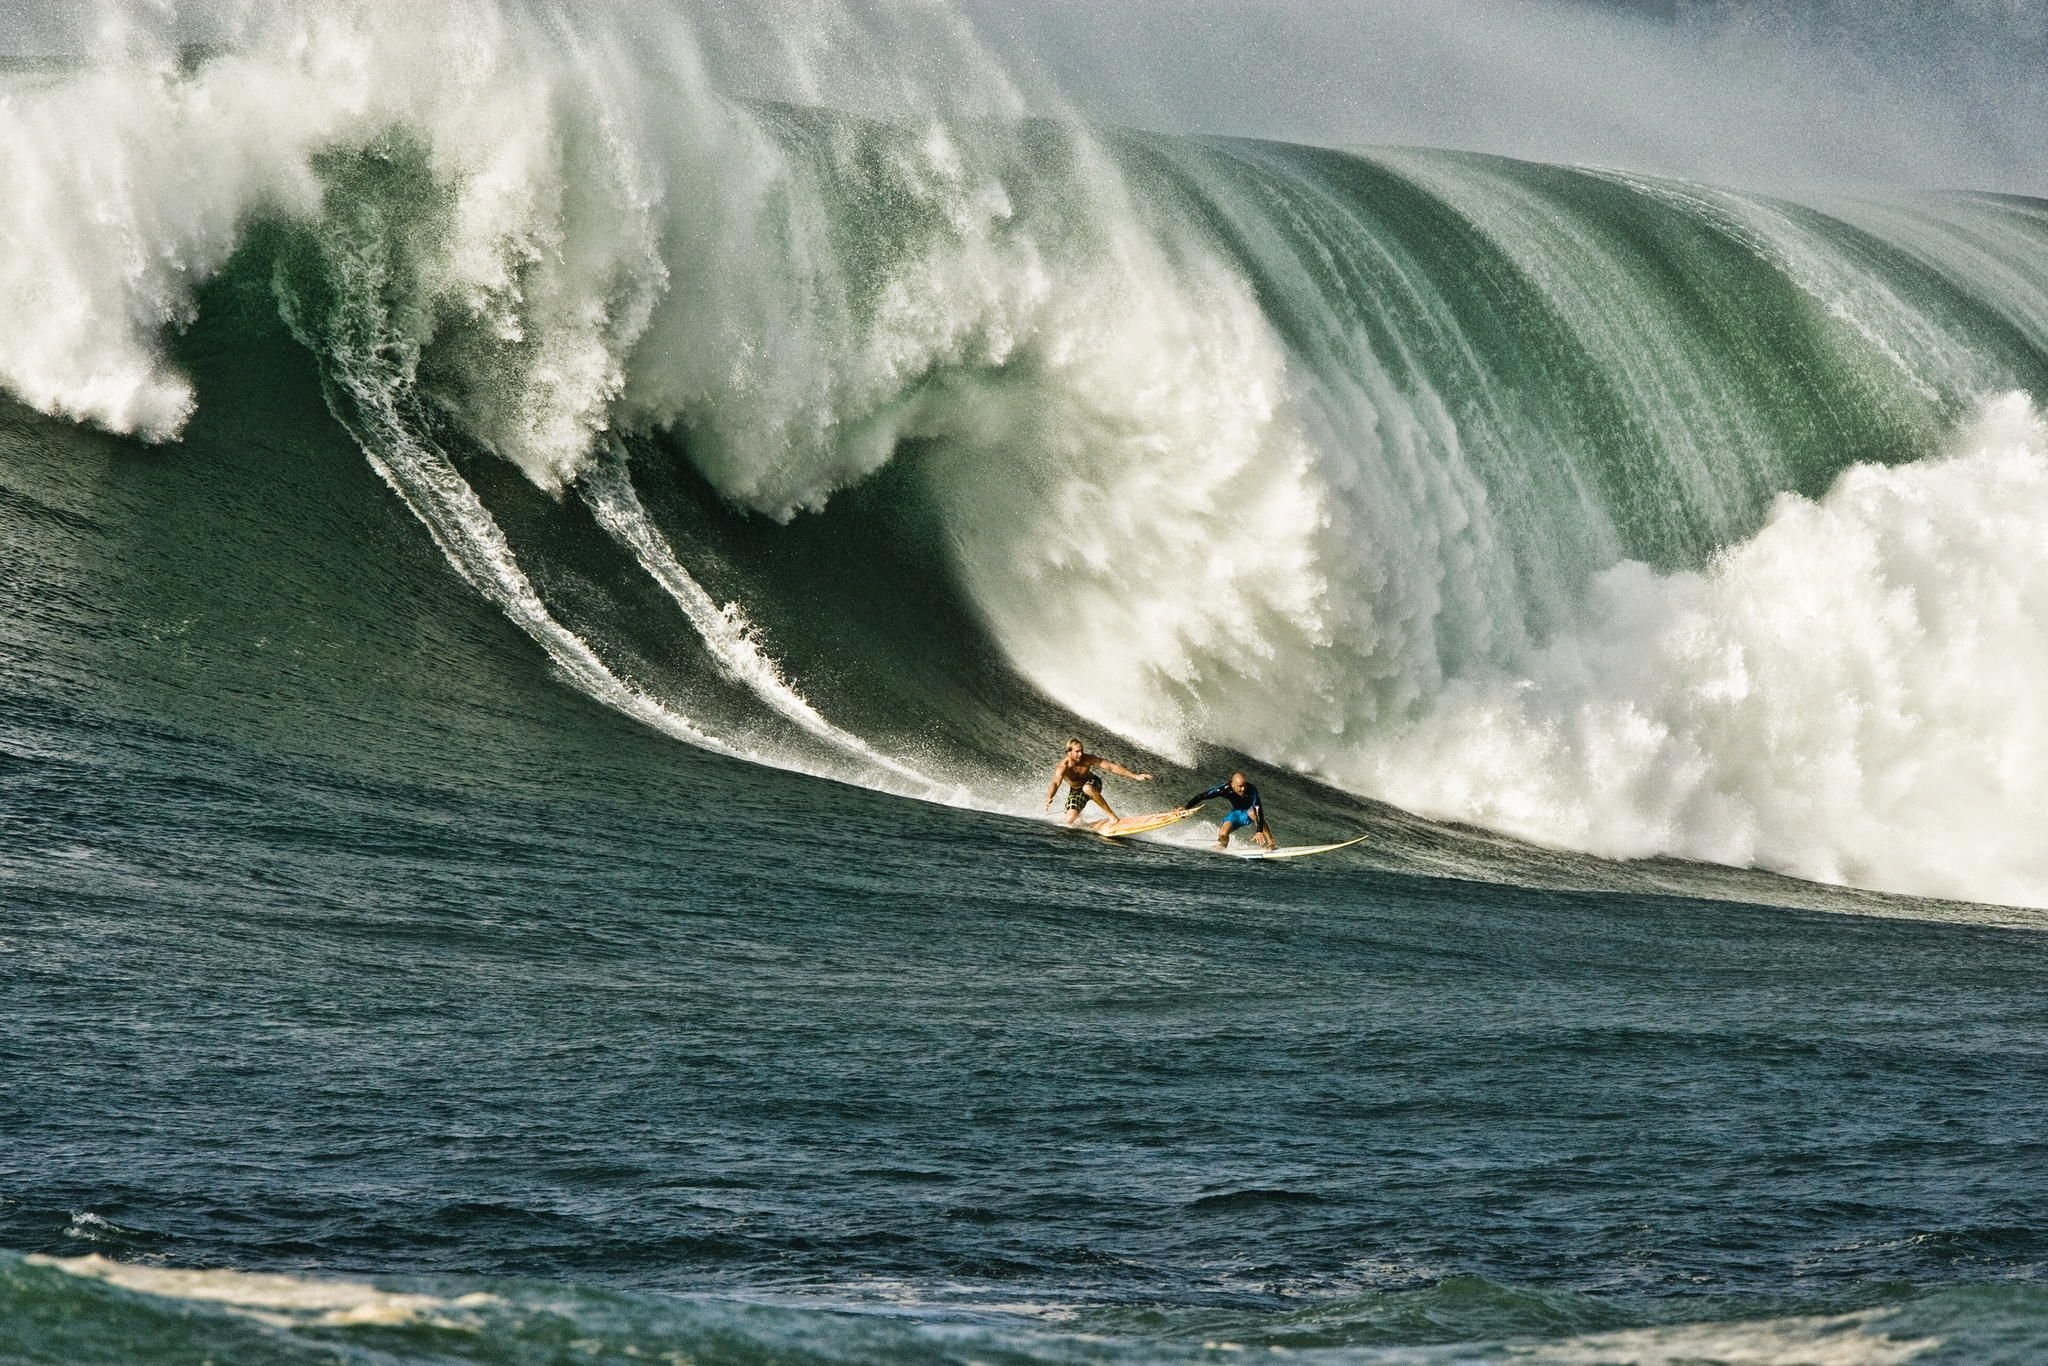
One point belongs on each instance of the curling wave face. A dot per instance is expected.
(1625, 515)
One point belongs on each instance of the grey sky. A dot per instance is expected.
(1942, 92)
(1829, 92)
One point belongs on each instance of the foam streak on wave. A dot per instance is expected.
(609, 494)
(477, 549)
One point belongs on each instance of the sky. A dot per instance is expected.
(1842, 92)
(1761, 93)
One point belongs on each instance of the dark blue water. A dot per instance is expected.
(771, 1055)
(620, 1017)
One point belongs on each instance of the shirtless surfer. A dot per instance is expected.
(1084, 784)
(1246, 811)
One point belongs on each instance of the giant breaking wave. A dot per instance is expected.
(1620, 514)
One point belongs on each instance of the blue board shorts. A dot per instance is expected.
(1238, 820)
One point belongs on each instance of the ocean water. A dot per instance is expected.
(540, 588)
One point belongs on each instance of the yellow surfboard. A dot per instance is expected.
(1138, 825)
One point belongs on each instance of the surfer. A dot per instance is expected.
(1246, 811)
(1077, 770)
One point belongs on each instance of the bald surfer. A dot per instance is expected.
(1247, 812)
(1077, 769)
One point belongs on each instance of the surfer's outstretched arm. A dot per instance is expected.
(1122, 772)
(1052, 789)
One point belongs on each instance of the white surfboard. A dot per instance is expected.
(1296, 851)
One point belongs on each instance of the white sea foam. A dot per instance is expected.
(93, 1228)
(1856, 1339)
(134, 179)
(1853, 695)
(1825, 1340)
(278, 1299)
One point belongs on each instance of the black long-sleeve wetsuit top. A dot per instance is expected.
(1247, 800)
